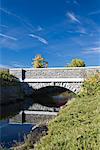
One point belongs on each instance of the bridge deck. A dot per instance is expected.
(53, 80)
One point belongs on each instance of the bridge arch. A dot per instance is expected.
(73, 87)
(70, 78)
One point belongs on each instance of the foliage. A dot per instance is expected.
(39, 62)
(77, 63)
(91, 85)
(77, 126)
(6, 78)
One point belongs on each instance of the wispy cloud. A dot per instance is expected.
(10, 13)
(17, 64)
(4, 66)
(96, 48)
(8, 37)
(72, 17)
(26, 24)
(94, 12)
(76, 2)
(4, 26)
(44, 41)
(14, 64)
(39, 28)
(80, 30)
(73, 2)
(92, 50)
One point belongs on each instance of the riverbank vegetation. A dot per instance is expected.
(78, 125)
(10, 90)
(7, 79)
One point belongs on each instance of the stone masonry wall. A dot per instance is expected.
(78, 72)
(47, 73)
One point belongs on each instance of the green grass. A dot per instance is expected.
(77, 127)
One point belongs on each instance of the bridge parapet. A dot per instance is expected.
(40, 73)
(69, 78)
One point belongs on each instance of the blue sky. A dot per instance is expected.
(59, 30)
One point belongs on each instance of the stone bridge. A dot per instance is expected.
(70, 78)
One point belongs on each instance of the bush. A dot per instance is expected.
(39, 62)
(91, 85)
(6, 78)
(77, 63)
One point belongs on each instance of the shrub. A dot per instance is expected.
(91, 85)
(77, 63)
(7, 78)
(39, 62)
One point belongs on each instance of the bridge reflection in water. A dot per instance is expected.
(45, 100)
(23, 115)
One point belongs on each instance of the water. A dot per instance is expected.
(10, 133)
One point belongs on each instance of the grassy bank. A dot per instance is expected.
(76, 128)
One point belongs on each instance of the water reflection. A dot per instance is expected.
(54, 100)
(10, 110)
(10, 133)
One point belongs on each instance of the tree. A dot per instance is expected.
(77, 63)
(39, 62)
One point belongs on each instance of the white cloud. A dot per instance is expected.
(92, 50)
(13, 64)
(9, 13)
(75, 2)
(81, 30)
(72, 17)
(39, 28)
(25, 23)
(39, 38)
(8, 37)
(94, 12)
(96, 48)
(16, 64)
(4, 26)
(72, 2)
(4, 66)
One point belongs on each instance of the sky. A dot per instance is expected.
(59, 30)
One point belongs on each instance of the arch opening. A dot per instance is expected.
(53, 96)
